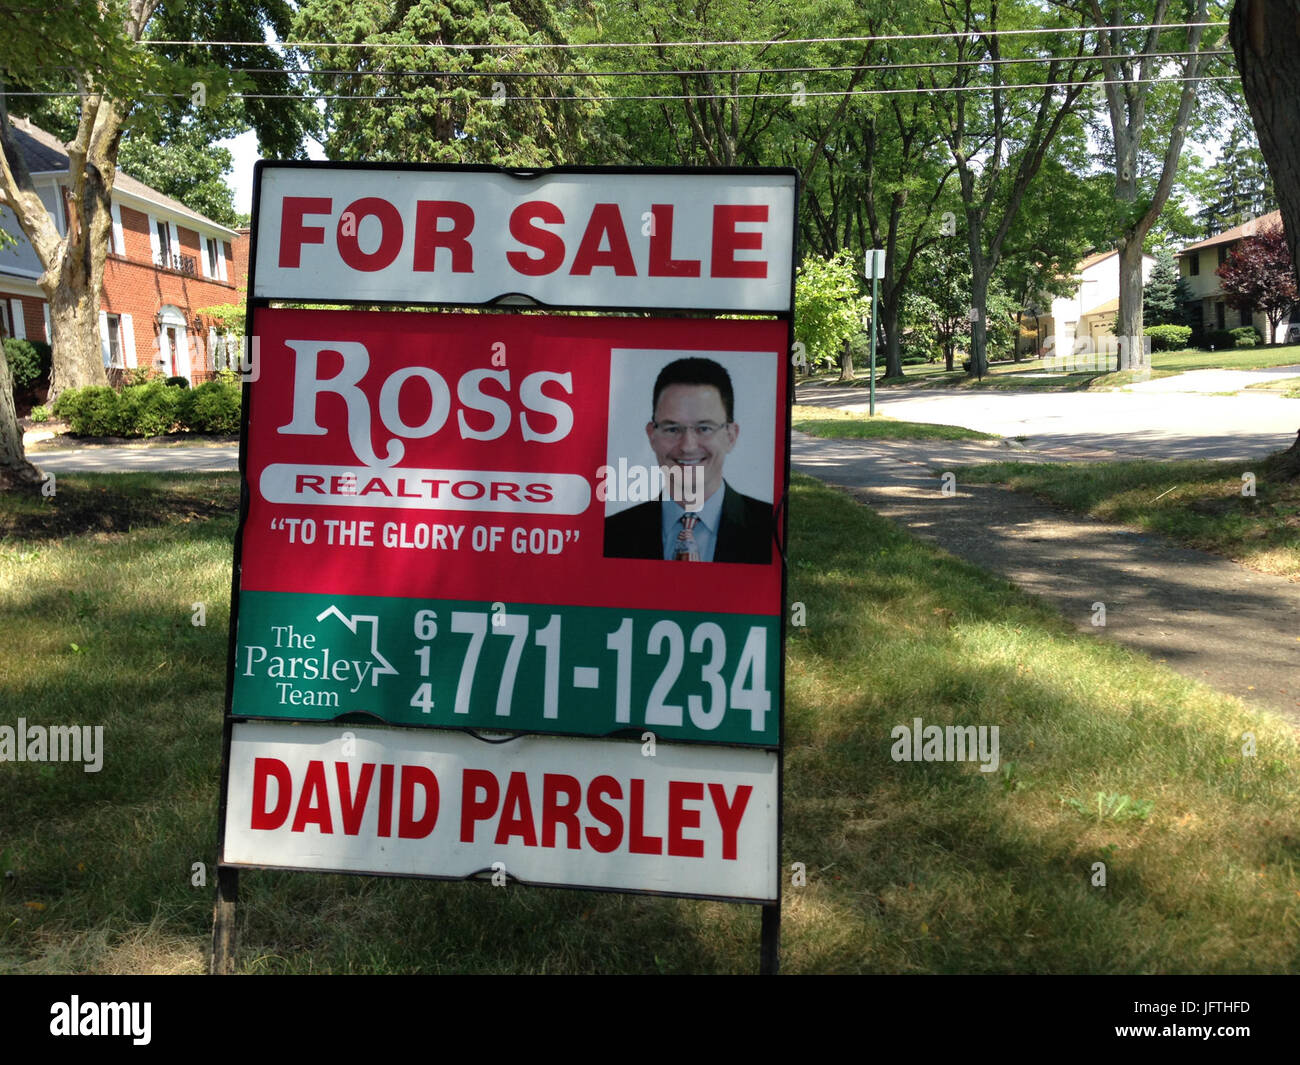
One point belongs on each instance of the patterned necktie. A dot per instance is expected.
(687, 550)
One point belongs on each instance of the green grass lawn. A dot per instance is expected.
(1288, 386)
(1197, 503)
(911, 867)
(834, 423)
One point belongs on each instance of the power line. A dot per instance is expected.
(920, 89)
(720, 71)
(775, 42)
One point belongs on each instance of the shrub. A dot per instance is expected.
(41, 414)
(25, 360)
(1169, 337)
(179, 382)
(213, 407)
(149, 410)
(914, 360)
(1246, 336)
(138, 410)
(1218, 339)
(91, 411)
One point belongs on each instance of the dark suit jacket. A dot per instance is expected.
(744, 530)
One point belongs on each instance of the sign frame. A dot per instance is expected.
(228, 874)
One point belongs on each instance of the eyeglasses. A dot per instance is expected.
(702, 431)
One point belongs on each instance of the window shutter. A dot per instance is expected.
(16, 313)
(119, 240)
(177, 250)
(103, 339)
(128, 341)
(222, 247)
(153, 240)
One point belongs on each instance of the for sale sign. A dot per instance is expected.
(465, 235)
(565, 531)
(454, 522)
(593, 813)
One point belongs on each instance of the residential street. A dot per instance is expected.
(1154, 423)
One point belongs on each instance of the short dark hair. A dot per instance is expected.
(696, 371)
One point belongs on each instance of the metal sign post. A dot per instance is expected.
(875, 270)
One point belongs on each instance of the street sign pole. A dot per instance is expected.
(875, 267)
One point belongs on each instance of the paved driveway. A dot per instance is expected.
(1151, 424)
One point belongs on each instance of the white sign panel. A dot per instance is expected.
(713, 241)
(685, 820)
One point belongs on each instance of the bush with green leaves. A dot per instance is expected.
(41, 413)
(1168, 337)
(178, 382)
(213, 407)
(91, 411)
(1218, 339)
(27, 359)
(138, 410)
(1246, 336)
(828, 305)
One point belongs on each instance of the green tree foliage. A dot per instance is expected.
(437, 103)
(1166, 298)
(828, 306)
(1237, 187)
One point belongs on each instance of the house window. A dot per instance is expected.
(164, 243)
(1220, 316)
(115, 341)
(1223, 254)
(212, 257)
(1195, 260)
(5, 330)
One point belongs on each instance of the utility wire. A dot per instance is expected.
(551, 46)
(921, 89)
(719, 71)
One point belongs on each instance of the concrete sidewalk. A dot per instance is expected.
(1206, 617)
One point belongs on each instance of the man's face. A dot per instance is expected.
(685, 408)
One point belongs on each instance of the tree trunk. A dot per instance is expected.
(74, 320)
(1266, 41)
(949, 353)
(893, 334)
(979, 297)
(1128, 323)
(15, 470)
(846, 362)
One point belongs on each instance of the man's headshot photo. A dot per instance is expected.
(683, 508)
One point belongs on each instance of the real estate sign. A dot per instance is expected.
(461, 523)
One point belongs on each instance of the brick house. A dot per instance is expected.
(165, 262)
(1197, 264)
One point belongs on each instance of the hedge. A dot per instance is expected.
(151, 409)
(1169, 337)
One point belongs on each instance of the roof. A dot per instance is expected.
(45, 154)
(1093, 259)
(1271, 220)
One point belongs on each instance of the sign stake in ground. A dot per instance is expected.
(462, 645)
